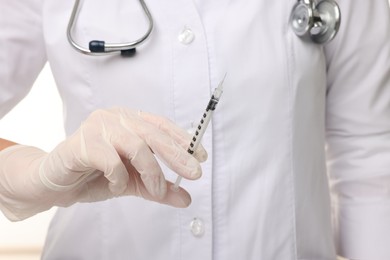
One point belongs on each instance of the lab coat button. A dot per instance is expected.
(186, 36)
(197, 227)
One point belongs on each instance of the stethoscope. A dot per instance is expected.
(98, 47)
(318, 23)
(312, 21)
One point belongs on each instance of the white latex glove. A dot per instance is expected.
(111, 154)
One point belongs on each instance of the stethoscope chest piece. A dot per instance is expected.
(317, 23)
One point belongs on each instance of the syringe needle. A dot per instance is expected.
(218, 91)
(201, 129)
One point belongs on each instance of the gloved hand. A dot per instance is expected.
(111, 154)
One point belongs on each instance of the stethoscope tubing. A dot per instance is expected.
(108, 47)
(311, 21)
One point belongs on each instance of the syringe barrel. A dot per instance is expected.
(199, 131)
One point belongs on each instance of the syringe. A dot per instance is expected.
(202, 126)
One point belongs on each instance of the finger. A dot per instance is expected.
(179, 199)
(96, 189)
(103, 157)
(173, 155)
(179, 135)
(167, 150)
(150, 171)
(134, 149)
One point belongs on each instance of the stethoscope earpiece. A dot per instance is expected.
(317, 23)
(128, 53)
(127, 49)
(100, 47)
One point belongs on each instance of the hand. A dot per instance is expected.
(111, 154)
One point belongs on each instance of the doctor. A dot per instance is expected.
(264, 190)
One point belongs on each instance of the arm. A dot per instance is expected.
(112, 154)
(358, 129)
(5, 143)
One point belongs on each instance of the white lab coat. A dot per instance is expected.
(264, 190)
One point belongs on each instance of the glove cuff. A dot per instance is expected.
(22, 193)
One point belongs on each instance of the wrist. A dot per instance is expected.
(22, 194)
